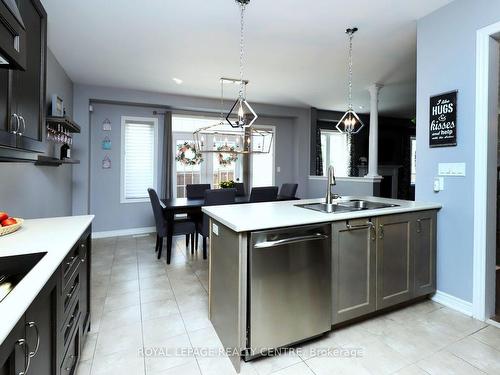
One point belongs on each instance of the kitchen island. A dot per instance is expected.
(280, 273)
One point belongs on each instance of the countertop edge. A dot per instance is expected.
(18, 301)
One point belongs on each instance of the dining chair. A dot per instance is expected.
(195, 191)
(288, 191)
(181, 226)
(214, 197)
(240, 189)
(263, 194)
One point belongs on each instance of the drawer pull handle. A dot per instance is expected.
(419, 225)
(24, 343)
(34, 325)
(381, 231)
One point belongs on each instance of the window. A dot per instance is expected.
(139, 157)
(263, 164)
(413, 141)
(335, 151)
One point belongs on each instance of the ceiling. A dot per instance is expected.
(296, 50)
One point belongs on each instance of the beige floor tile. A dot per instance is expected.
(84, 368)
(336, 366)
(155, 282)
(271, 364)
(479, 355)
(155, 331)
(125, 362)
(298, 369)
(120, 301)
(159, 309)
(158, 294)
(411, 370)
(118, 318)
(174, 351)
(89, 347)
(317, 347)
(196, 319)
(125, 338)
(414, 312)
(379, 358)
(461, 324)
(190, 368)
(489, 336)
(352, 336)
(123, 287)
(205, 338)
(446, 363)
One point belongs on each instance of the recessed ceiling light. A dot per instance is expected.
(177, 80)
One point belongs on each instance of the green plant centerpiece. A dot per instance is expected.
(227, 184)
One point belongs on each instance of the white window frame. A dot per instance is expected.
(124, 121)
(328, 151)
(273, 147)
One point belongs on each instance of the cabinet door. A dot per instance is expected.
(28, 87)
(424, 254)
(85, 283)
(394, 260)
(353, 269)
(13, 351)
(41, 330)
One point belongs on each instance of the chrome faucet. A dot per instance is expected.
(331, 182)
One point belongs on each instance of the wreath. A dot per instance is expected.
(188, 155)
(227, 155)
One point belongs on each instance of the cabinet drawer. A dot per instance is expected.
(71, 324)
(70, 266)
(68, 366)
(71, 293)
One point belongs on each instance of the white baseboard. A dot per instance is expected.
(123, 232)
(453, 302)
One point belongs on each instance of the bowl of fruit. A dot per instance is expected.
(9, 224)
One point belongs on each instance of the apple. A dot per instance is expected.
(3, 216)
(9, 221)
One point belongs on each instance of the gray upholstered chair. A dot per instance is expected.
(287, 191)
(181, 226)
(240, 189)
(263, 194)
(213, 197)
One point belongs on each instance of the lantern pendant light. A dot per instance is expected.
(350, 123)
(241, 109)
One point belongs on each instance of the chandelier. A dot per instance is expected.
(241, 114)
(224, 138)
(350, 122)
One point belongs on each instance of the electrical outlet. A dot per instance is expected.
(215, 229)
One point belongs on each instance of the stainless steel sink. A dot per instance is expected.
(346, 206)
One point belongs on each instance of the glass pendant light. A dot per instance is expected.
(350, 123)
(241, 110)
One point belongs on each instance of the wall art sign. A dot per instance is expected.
(106, 143)
(106, 125)
(106, 162)
(443, 120)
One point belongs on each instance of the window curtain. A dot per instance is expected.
(319, 156)
(166, 178)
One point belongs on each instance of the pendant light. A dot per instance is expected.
(241, 109)
(350, 123)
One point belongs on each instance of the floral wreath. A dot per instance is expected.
(226, 155)
(188, 155)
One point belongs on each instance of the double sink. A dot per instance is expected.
(352, 205)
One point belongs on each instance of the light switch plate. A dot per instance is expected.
(451, 169)
(438, 184)
(215, 229)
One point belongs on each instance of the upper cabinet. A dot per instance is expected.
(12, 36)
(22, 93)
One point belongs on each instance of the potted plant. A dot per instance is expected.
(227, 184)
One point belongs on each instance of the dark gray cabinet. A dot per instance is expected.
(22, 93)
(394, 260)
(47, 340)
(424, 252)
(353, 269)
(12, 36)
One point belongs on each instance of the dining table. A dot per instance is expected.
(190, 206)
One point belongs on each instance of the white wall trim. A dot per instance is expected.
(453, 302)
(123, 232)
(479, 288)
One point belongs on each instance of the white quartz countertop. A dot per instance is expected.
(257, 216)
(55, 236)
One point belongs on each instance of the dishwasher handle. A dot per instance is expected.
(290, 240)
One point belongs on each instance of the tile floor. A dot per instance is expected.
(139, 303)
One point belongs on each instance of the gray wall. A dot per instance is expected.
(446, 52)
(293, 126)
(31, 191)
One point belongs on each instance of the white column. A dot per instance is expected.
(373, 140)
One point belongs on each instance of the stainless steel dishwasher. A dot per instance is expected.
(289, 286)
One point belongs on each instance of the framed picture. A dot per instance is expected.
(57, 106)
(443, 120)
